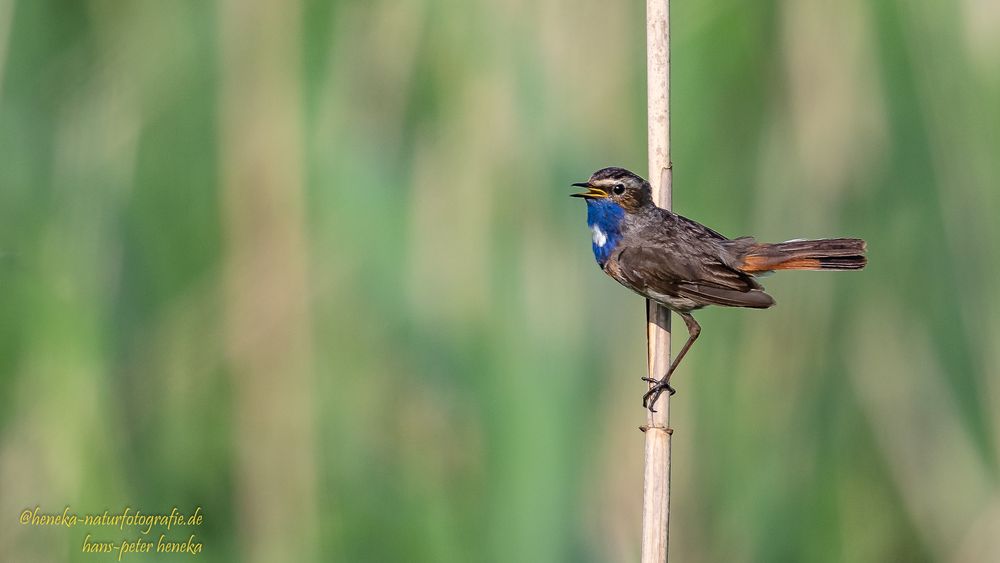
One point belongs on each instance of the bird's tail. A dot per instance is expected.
(825, 254)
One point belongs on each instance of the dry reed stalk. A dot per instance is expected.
(656, 478)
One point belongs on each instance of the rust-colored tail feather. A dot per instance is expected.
(825, 254)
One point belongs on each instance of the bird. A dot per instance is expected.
(684, 265)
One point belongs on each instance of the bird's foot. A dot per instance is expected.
(659, 386)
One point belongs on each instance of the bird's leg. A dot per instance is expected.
(663, 384)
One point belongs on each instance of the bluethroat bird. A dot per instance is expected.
(684, 265)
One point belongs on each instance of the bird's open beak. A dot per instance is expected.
(591, 193)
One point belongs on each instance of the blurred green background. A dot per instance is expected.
(311, 266)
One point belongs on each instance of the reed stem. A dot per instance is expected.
(656, 478)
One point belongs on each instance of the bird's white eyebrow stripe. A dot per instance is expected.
(600, 238)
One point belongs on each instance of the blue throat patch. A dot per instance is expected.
(605, 220)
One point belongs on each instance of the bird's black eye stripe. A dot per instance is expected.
(619, 189)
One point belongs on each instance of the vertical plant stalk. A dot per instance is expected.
(656, 477)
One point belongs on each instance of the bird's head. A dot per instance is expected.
(612, 194)
(616, 186)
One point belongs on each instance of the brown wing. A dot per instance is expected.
(755, 298)
(688, 272)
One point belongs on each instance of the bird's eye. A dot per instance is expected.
(619, 189)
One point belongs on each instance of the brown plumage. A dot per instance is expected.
(823, 254)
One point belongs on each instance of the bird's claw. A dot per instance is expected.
(651, 396)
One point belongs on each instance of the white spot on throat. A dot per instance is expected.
(600, 237)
